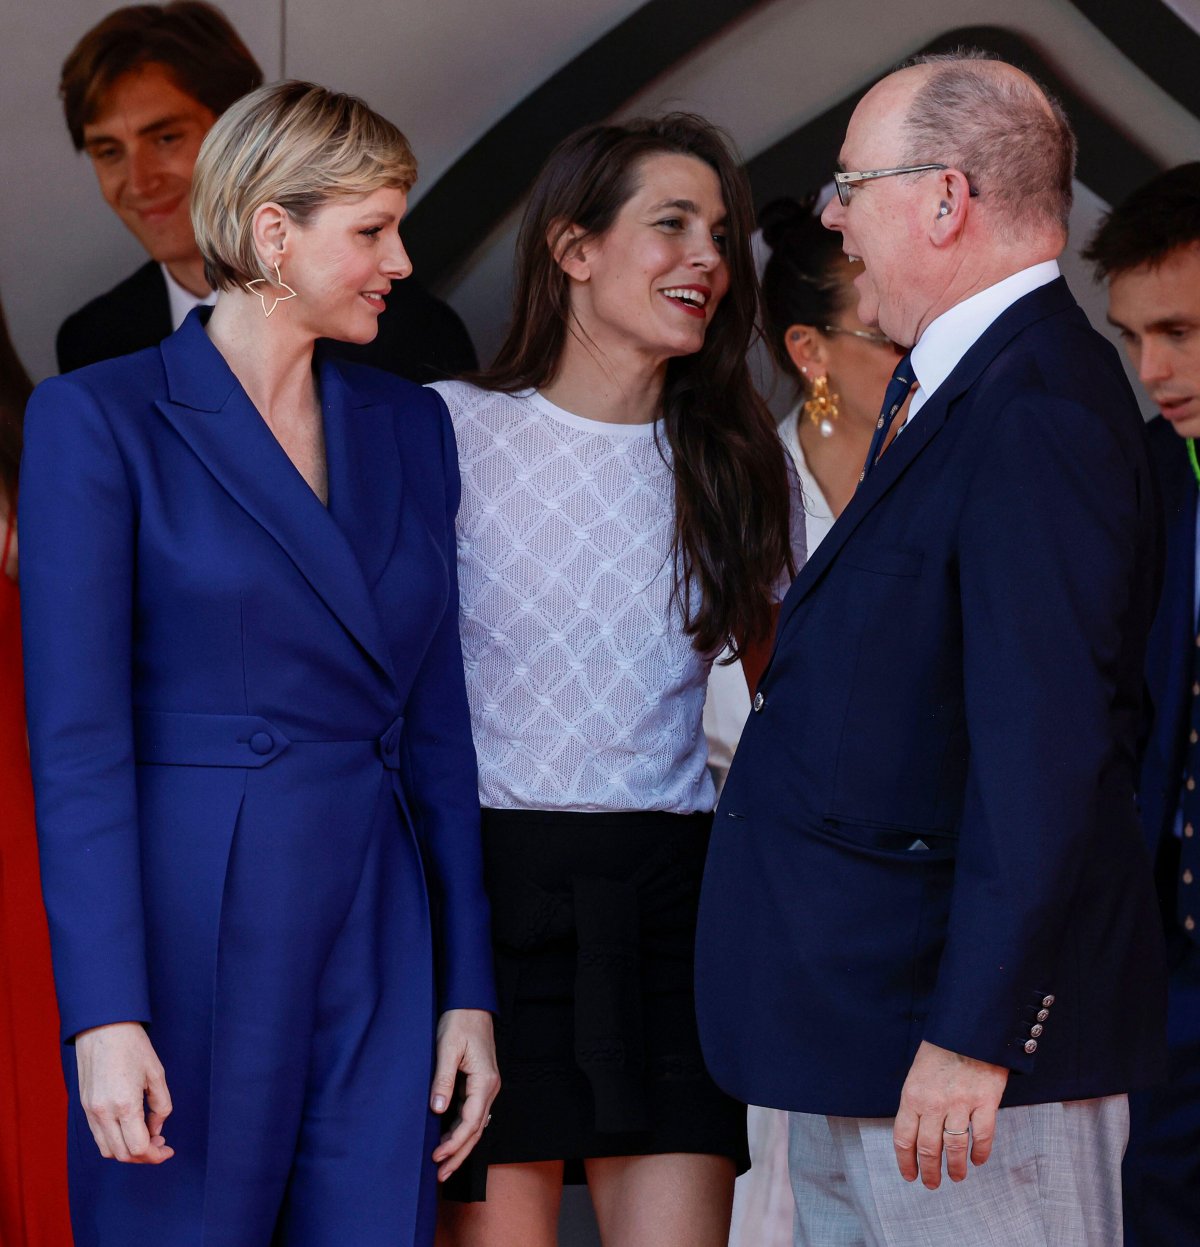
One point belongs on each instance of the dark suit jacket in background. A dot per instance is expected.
(1161, 1175)
(929, 831)
(1170, 653)
(420, 337)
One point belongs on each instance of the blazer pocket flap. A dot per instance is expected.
(917, 841)
(884, 560)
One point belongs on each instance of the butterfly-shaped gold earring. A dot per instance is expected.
(280, 284)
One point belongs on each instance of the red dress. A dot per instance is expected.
(33, 1104)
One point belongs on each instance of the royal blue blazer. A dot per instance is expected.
(929, 832)
(239, 697)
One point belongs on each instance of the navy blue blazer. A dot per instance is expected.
(929, 829)
(1171, 650)
(221, 671)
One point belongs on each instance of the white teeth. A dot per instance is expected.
(693, 298)
(854, 259)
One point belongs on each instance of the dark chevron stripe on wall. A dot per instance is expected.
(1158, 41)
(492, 177)
(1110, 163)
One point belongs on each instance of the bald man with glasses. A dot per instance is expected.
(948, 962)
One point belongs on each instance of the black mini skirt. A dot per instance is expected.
(594, 925)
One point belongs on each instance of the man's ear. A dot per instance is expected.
(271, 228)
(567, 245)
(950, 208)
(807, 349)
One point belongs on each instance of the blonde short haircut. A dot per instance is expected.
(294, 144)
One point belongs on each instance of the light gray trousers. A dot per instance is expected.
(1053, 1180)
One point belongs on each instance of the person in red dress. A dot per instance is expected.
(33, 1102)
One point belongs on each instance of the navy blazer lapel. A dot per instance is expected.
(211, 412)
(1045, 301)
(366, 480)
(1170, 652)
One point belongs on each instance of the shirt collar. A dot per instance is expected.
(182, 301)
(948, 338)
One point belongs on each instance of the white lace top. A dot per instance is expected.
(585, 692)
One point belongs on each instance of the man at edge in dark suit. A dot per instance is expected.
(140, 91)
(947, 945)
(1149, 251)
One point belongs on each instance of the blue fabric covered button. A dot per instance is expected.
(262, 742)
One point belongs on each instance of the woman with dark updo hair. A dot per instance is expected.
(840, 366)
(840, 369)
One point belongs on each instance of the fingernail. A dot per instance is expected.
(439, 1103)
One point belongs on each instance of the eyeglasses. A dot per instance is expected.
(844, 181)
(865, 334)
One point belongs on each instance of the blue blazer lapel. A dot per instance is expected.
(366, 479)
(928, 422)
(211, 412)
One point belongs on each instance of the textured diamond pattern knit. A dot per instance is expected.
(585, 692)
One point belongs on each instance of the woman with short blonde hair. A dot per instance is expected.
(250, 740)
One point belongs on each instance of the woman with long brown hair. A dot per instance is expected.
(33, 1100)
(626, 513)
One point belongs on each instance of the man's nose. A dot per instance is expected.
(833, 214)
(144, 171)
(1153, 362)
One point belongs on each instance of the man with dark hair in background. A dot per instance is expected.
(1149, 251)
(140, 91)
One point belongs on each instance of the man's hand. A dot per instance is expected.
(948, 1103)
(464, 1042)
(119, 1078)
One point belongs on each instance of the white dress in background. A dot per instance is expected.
(762, 1201)
(728, 701)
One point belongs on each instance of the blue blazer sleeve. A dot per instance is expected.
(1046, 558)
(443, 782)
(77, 519)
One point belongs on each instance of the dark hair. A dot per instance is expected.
(731, 482)
(803, 282)
(15, 389)
(1155, 220)
(194, 40)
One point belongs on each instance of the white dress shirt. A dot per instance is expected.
(948, 338)
(182, 301)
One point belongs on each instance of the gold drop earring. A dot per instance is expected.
(821, 404)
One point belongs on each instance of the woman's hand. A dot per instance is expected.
(119, 1078)
(464, 1042)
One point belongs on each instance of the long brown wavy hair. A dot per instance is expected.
(15, 389)
(731, 480)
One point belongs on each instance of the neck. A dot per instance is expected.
(835, 461)
(615, 386)
(189, 274)
(976, 272)
(271, 358)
